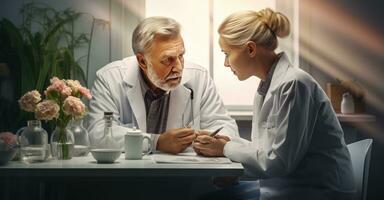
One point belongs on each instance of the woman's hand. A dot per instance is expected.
(206, 145)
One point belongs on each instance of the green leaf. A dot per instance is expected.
(59, 25)
(19, 46)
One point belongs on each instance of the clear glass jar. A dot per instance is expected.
(107, 148)
(62, 142)
(33, 141)
(82, 144)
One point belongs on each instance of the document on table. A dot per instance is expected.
(188, 158)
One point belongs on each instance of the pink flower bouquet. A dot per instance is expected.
(62, 103)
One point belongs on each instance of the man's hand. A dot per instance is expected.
(175, 141)
(206, 145)
(202, 132)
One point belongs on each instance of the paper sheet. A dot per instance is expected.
(189, 158)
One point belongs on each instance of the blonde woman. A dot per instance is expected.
(297, 149)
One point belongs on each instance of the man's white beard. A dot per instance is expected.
(152, 76)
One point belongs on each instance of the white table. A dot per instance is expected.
(56, 179)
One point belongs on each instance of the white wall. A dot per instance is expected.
(193, 17)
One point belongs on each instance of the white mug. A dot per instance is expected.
(133, 145)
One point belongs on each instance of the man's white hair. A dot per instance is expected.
(150, 27)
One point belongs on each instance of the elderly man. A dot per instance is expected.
(158, 92)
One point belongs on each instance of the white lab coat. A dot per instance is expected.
(117, 89)
(297, 149)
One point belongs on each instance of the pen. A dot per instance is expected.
(216, 131)
(189, 124)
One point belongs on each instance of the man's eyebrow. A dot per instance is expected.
(165, 55)
(170, 54)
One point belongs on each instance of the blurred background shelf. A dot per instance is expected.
(350, 118)
(241, 115)
(353, 118)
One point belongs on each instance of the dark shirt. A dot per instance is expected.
(156, 107)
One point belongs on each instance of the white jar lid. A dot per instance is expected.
(133, 131)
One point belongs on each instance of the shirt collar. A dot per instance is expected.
(264, 84)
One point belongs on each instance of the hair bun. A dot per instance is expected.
(276, 22)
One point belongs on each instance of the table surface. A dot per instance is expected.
(87, 166)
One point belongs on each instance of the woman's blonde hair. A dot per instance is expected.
(262, 27)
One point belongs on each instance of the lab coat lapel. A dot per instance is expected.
(136, 101)
(257, 106)
(179, 100)
(134, 94)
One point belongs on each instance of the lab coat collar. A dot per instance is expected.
(178, 100)
(280, 70)
(134, 93)
(132, 69)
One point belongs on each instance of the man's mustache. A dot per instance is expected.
(172, 76)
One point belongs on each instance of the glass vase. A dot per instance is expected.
(62, 143)
(33, 141)
(82, 144)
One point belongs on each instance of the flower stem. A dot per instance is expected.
(64, 146)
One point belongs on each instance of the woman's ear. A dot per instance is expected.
(141, 60)
(251, 48)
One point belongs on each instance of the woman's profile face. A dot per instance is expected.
(237, 59)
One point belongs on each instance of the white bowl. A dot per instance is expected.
(106, 155)
(7, 155)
